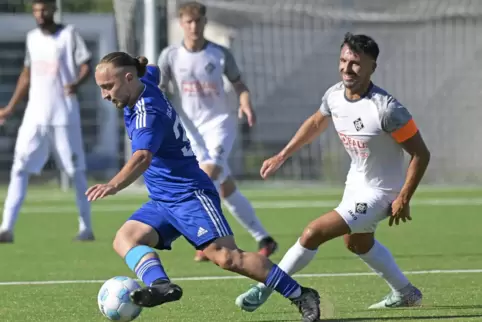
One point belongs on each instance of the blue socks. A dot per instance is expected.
(150, 271)
(281, 282)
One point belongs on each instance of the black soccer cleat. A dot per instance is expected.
(156, 294)
(308, 304)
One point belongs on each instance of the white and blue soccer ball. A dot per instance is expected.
(114, 302)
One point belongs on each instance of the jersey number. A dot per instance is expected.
(180, 133)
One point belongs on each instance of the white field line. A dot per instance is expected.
(250, 192)
(281, 204)
(236, 277)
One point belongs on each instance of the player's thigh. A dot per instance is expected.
(199, 218)
(198, 145)
(31, 149)
(161, 232)
(363, 208)
(68, 148)
(219, 142)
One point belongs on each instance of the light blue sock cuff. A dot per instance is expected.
(135, 254)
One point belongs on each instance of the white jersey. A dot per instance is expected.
(371, 129)
(53, 61)
(198, 78)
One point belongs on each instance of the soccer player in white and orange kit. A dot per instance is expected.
(196, 68)
(56, 64)
(375, 130)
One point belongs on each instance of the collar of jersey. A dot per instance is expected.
(361, 97)
(206, 43)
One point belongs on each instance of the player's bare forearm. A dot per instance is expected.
(420, 154)
(84, 72)
(21, 89)
(243, 93)
(132, 170)
(309, 130)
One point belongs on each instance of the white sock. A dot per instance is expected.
(243, 211)
(80, 182)
(295, 259)
(381, 261)
(17, 190)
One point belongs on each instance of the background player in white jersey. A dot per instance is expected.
(375, 130)
(196, 68)
(56, 64)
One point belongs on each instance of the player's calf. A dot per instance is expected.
(131, 243)
(224, 253)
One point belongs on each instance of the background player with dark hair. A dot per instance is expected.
(375, 130)
(56, 64)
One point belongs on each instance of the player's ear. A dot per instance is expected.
(129, 77)
(374, 67)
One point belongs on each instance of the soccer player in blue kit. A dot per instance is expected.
(183, 199)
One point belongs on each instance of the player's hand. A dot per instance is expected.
(100, 191)
(400, 211)
(271, 165)
(70, 89)
(5, 113)
(249, 112)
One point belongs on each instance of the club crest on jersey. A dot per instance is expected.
(358, 124)
(209, 68)
(361, 208)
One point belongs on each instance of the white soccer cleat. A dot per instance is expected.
(411, 298)
(253, 298)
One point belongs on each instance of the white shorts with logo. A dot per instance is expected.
(363, 208)
(212, 145)
(35, 143)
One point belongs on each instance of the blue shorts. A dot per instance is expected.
(198, 217)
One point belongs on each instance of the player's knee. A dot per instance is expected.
(212, 170)
(228, 259)
(132, 234)
(311, 237)
(359, 243)
(228, 187)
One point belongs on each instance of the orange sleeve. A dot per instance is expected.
(405, 132)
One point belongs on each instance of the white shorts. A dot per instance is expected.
(34, 144)
(213, 145)
(363, 208)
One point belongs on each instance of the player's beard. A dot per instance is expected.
(46, 24)
(350, 84)
(119, 105)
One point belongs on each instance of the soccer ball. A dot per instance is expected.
(114, 302)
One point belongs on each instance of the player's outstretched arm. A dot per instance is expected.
(20, 92)
(309, 130)
(132, 170)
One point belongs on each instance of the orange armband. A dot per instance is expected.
(405, 132)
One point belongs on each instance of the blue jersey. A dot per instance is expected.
(153, 125)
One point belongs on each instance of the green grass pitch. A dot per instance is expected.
(440, 249)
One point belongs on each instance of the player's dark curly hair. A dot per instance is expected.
(122, 59)
(361, 44)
